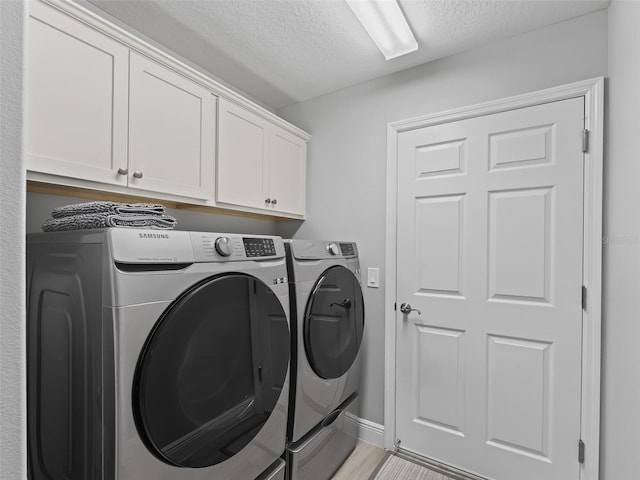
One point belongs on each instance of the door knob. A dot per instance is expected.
(123, 171)
(267, 200)
(406, 308)
(274, 201)
(137, 174)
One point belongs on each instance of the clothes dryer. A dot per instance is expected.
(327, 310)
(156, 354)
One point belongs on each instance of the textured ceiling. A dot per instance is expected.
(286, 51)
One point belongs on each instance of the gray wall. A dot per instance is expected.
(620, 441)
(12, 261)
(347, 155)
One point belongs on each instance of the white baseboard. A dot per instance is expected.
(367, 431)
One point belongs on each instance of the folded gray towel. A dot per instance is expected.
(115, 208)
(104, 220)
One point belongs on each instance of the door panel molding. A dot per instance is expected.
(593, 92)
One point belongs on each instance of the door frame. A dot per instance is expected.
(593, 92)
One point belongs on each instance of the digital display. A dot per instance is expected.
(347, 249)
(259, 247)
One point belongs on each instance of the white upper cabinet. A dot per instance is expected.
(171, 132)
(76, 98)
(287, 171)
(108, 112)
(260, 165)
(242, 142)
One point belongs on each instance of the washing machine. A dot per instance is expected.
(327, 322)
(156, 355)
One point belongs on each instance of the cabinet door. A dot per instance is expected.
(171, 132)
(242, 141)
(76, 98)
(287, 171)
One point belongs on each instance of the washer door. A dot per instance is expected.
(334, 322)
(211, 371)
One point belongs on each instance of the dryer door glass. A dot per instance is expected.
(334, 322)
(211, 371)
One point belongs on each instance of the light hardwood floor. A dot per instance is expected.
(361, 463)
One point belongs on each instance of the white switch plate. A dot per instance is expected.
(373, 277)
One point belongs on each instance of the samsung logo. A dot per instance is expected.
(154, 235)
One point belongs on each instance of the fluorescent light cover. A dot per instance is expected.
(385, 24)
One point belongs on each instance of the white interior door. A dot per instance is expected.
(489, 250)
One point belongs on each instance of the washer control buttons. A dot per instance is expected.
(224, 246)
(347, 249)
(333, 248)
(259, 247)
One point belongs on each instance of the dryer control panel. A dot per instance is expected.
(210, 247)
(320, 250)
(164, 247)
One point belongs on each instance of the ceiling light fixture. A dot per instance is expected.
(384, 22)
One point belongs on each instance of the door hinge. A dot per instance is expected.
(584, 297)
(396, 445)
(585, 140)
(580, 451)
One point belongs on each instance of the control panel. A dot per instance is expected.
(132, 245)
(208, 247)
(259, 247)
(317, 250)
(347, 249)
(211, 246)
(333, 249)
(224, 246)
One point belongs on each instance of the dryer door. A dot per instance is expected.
(211, 371)
(334, 322)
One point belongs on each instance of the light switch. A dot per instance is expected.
(373, 277)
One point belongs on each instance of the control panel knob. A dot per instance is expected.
(333, 248)
(223, 246)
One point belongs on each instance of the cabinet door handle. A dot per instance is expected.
(267, 200)
(123, 171)
(137, 174)
(274, 201)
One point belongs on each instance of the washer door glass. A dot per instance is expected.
(211, 371)
(334, 322)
